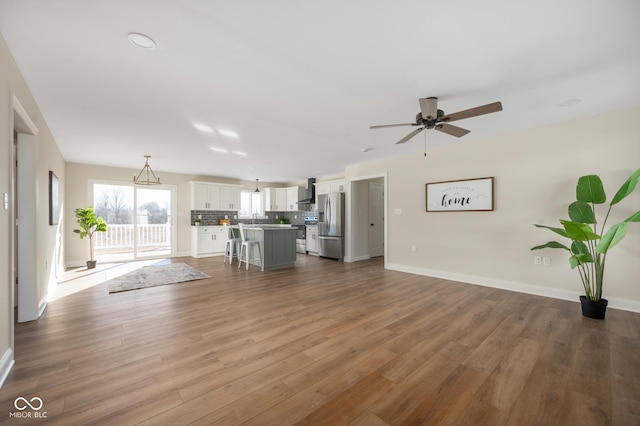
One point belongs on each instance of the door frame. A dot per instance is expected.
(352, 208)
(174, 208)
(20, 123)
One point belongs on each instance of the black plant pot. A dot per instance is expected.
(91, 264)
(591, 309)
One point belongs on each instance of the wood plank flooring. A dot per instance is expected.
(323, 343)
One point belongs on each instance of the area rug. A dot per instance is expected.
(155, 275)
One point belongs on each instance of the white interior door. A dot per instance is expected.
(376, 219)
(29, 299)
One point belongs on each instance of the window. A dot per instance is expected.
(251, 204)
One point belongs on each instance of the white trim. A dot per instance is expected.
(43, 303)
(6, 363)
(348, 213)
(359, 258)
(615, 303)
(22, 113)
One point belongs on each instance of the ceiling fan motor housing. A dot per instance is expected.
(429, 124)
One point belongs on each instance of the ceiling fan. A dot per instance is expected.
(430, 117)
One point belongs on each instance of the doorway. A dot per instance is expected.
(24, 294)
(368, 230)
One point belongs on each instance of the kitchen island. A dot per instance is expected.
(278, 245)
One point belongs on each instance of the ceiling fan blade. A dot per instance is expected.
(451, 130)
(393, 125)
(429, 108)
(473, 112)
(410, 135)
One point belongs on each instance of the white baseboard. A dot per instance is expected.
(359, 258)
(615, 303)
(6, 363)
(43, 303)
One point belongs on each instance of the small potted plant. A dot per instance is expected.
(89, 224)
(590, 243)
(197, 221)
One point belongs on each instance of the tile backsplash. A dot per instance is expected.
(213, 217)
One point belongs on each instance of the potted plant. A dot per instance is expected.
(197, 221)
(89, 224)
(590, 243)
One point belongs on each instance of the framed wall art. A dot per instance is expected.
(53, 199)
(468, 195)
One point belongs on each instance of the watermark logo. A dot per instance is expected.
(28, 408)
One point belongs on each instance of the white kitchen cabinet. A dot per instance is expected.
(312, 239)
(275, 199)
(337, 186)
(294, 194)
(208, 241)
(329, 187)
(205, 196)
(229, 197)
(213, 196)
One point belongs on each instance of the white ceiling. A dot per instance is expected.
(301, 81)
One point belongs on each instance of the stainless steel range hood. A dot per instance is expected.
(310, 194)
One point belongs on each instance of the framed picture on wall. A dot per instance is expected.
(53, 199)
(470, 195)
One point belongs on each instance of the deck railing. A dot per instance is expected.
(120, 237)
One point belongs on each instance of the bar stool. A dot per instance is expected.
(233, 243)
(248, 247)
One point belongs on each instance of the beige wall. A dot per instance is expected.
(48, 254)
(535, 174)
(78, 190)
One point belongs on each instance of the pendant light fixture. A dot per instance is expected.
(257, 189)
(146, 175)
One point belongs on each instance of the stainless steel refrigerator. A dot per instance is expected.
(331, 225)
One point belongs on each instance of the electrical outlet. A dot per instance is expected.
(537, 260)
(413, 248)
(546, 261)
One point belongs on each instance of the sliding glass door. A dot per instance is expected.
(153, 222)
(139, 221)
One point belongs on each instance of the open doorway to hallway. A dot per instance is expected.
(368, 218)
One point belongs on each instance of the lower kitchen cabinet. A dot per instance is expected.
(208, 241)
(312, 239)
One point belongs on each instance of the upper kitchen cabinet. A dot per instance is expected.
(275, 199)
(205, 196)
(229, 197)
(294, 193)
(213, 196)
(329, 187)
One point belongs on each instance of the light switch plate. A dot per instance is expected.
(6, 201)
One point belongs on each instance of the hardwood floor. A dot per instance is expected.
(323, 343)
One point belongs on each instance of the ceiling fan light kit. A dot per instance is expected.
(430, 117)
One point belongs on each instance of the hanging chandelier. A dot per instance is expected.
(146, 175)
(257, 189)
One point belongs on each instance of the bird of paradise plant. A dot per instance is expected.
(590, 244)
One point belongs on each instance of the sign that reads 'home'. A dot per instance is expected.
(460, 195)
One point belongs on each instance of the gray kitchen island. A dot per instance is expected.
(278, 245)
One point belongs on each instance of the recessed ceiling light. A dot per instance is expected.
(228, 133)
(141, 41)
(244, 154)
(569, 102)
(203, 127)
(218, 149)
